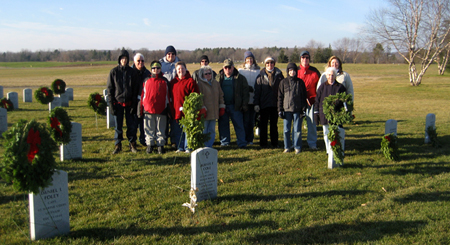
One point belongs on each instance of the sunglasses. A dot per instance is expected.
(270, 62)
(206, 74)
(140, 61)
(156, 68)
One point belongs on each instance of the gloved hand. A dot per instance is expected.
(257, 108)
(317, 118)
(250, 89)
(221, 112)
(281, 115)
(201, 112)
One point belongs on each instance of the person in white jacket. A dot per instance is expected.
(342, 76)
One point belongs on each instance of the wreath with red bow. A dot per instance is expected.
(97, 103)
(336, 147)
(389, 147)
(60, 125)
(7, 104)
(28, 162)
(44, 95)
(59, 86)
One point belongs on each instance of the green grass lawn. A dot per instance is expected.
(264, 196)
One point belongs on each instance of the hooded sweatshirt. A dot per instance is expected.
(122, 84)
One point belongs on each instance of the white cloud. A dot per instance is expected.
(147, 22)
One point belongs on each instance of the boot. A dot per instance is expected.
(149, 149)
(161, 150)
(133, 147)
(117, 148)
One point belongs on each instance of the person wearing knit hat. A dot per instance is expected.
(265, 100)
(291, 107)
(142, 73)
(168, 63)
(204, 61)
(250, 70)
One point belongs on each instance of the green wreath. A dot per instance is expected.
(7, 104)
(193, 124)
(97, 103)
(389, 147)
(335, 138)
(60, 125)
(44, 95)
(28, 162)
(338, 108)
(59, 86)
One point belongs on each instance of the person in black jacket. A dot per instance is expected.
(142, 74)
(291, 106)
(122, 88)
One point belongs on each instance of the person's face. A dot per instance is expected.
(139, 63)
(204, 62)
(335, 63)
(123, 61)
(249, 61)
(330, 77)
(156, 70)
(304, 60)
(181, 71)
(170, 57)
(228, 70)
(270, 65)
(208, 75)
(292, 72)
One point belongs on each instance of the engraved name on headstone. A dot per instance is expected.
(73, 150)
(204, 173)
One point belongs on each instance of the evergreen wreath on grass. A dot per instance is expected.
(44, 95)
(193, 125)
(432, 135)
(338, 108)
(97, 103)
(336, 147)
(60, 125)
(59, 86)
(389, 147)
(28, 162)
(7, 104)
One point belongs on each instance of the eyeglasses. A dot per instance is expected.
(207, 74)
(140, 61)
(156, 68)
(227, 67)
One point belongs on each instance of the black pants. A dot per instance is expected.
(268, 114)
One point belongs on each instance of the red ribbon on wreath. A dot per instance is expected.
(58, 82)
(98, 98)
(54, 123)
(5, 104)
(33, 139)
(44, 90)
(388, 138)
(333, 143)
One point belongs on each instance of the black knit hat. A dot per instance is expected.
(170, 49)
(204, 57)
(291, 66)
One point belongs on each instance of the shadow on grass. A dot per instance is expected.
(418, 168)
(104, 234)
(341, 233)
(425, 197)
(251, 197)
(13, 198)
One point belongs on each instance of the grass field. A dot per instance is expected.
(264, 196)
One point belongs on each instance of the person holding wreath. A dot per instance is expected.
(342, 77)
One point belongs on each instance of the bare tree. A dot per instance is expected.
(415, 29)
(342, 47)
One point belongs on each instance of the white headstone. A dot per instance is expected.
(73, 150)
(105, 92)
(49, 210)
(204, 173)
(3, 121)
(56, 102)
(1, 92)
(69, 92)
(391, 127)
(430, 122)
(14, 97)
(64, 100)
(106, 99)
(28, 95)
(110, 122)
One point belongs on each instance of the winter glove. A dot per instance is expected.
(221, 112)
(201, 112)
(281, 115)
(257, 108)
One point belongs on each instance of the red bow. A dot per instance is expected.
(33, 139)
(388, 138)
(54, 123)
(5, 104)
(57, 84)
(44, 90)
(98, 98)
(333, 143)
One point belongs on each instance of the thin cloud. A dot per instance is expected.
(147, 22)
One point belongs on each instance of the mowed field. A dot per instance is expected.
(264, 196)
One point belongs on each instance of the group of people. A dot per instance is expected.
(152, 100)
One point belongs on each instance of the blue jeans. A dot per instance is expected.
(238, 123)
(210, 127)
(249, 123)
(312, 130)
(130, 119)
(178, 135)
(297, 130)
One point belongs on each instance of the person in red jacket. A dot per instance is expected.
(310, 76)
(180, 87)
(154, 104)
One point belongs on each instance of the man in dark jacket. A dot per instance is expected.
(122, 88)
(236, 96)
(142, 74)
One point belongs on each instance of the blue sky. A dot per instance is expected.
(68, 25)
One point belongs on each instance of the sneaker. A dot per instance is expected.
(287, 150)
(149, 149)
(297, 151)
(133, 147)
(250, 143)
(188, 151)
(178, 151)
(117, 148)
(161, 150)
(314, 148)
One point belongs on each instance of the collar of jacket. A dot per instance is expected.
(276, 71)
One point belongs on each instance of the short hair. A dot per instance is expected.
(331, 69)
(137, 56)
(339, 60)
(181, 63)
(202, 70)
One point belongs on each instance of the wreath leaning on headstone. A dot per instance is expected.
(60, 125)
(389, 147)
(97, 103)
(7, 104)
(28, 162)
(44, 95)
(59, 86)
(193, 123)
